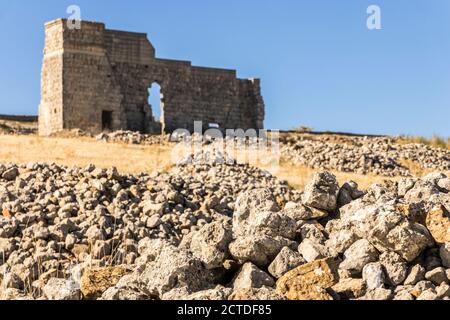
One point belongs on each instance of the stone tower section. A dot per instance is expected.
(51, 107)
(95, 79)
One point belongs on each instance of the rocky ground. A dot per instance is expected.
(132, 138)
(15, 127)
(219, 231)
(376, 155)
(383, 156)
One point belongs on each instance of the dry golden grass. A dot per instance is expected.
(435, 141)
(298, 176)
(83, 151)
(417, 170)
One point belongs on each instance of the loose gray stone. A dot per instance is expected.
(61, 289)
(251, 277)
(358, 255)
(416, 274)
(373, 275)
(10, 174)
(322, 192)
(437, 276)
(312, 251)
(285, 261)
(210, 244)
(396, 268)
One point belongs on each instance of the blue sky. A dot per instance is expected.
(320, 66)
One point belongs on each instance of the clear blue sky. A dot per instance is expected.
(320, 66)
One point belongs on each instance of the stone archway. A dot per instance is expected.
(155, 100)
(156, 103)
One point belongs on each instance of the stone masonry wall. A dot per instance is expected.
(92, 71)
(50, 109)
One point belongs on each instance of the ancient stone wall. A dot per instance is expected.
(50, 109)
(97, 79)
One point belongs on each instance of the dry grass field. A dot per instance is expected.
(299, 176)
(83, 151)
(131, 158)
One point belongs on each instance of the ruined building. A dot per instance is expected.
(97, 79)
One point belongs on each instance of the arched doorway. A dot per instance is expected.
(155, 97)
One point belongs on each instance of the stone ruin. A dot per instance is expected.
(97, 80)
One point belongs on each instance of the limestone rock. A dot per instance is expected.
(404, 295)
(339, 241)
(404, 185)
(437, 276)
(175, 268)
(396, 268)
(263, 294)
(428, 295)
(172, 231)
(348, 192)
(95, 282)
(210, 244)
(416, 274)
(217, 293)
(444, 184)
(358, 255)
(298, 212)
(312, 230)
(421, 287)
(152, 247)
(373, 275)
(260, 250)
(312, 251)
(322, 192)
(250, 218)
(272, 224)
(128, 288)
(438, 223)
(285, 261)
(379, 294)
(251, 277)
(61, 289)
(443, 291)
(389, 230)
(101, 249)
(423, 189)
(253, 201)
(350, 288)
(309, 281)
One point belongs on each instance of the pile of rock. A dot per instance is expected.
(391, 242)
(376, 155)
(381, 156)
(9, 128)
(219, 231)
(52, 217)
(131, 137)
